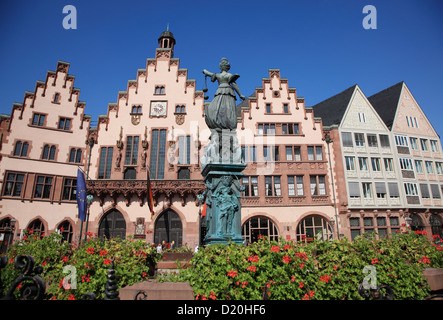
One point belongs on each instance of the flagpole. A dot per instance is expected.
(91, 144)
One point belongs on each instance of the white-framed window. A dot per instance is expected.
(401, 141)
(372, 140)
(424, 144)
(350, 163)
(361, 117)
(419, 166)
(363, 163)
(318, 185)
(414, 143)
(405, 164)
(434, 146)
(439, 167)
(346, 138)
(429, 167)
(251, 186)
(380, 190)
(375, 162)
(359, 139)
(411, 189)
(384, 141)
(295, 185)
(412, 122)
(367, 189)
(389, 164)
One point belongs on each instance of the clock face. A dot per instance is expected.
(158, 108)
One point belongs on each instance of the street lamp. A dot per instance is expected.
(328, 140)
(408, 221)
(11, 237)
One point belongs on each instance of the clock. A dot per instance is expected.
(158, 109)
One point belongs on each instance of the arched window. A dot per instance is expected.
(36, 227)
(258, 226)
(180, 109)
(52, 153)
(65, 229)
(112, 225)
(168, 228)
(45, 152)
(416, 223)
(436, 225)
(314, 226)
(136, 109)
(56, 97)
(48, 152)
(159, 90)
(75, 155)
(6, 234)
(21, 149)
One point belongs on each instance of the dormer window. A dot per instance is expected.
(159, 90)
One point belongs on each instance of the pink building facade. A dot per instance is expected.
(157, 125)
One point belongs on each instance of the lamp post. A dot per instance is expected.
(328, 140)
(408, 221)
(11, 236)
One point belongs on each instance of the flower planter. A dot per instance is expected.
(434, 276)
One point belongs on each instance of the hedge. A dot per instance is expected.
(285, 269)
(321, 270)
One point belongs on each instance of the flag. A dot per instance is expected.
(204, 210)
(81, 195)
(149, 196)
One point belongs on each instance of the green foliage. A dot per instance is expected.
(133, 260)
(321, 270)
(285, 269)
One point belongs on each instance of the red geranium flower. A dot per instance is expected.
(252, 268)
(232, 274)
(287, 259)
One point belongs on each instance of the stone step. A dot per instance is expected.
(154, 290)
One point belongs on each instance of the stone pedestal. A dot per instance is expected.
(223, 200)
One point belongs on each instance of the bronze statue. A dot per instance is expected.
(221, 112)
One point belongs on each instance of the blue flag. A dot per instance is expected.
(81, 195)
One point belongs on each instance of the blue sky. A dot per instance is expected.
(320, 46)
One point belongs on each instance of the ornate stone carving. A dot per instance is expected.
(135, 119)
(129, 188)
(180, 118)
